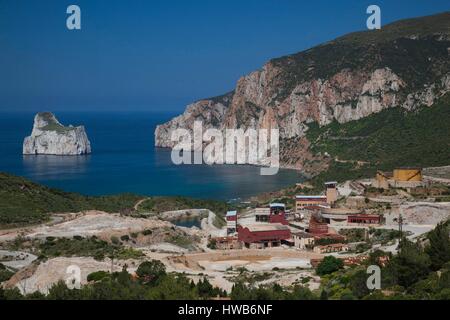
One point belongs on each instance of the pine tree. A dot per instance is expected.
(439, 247)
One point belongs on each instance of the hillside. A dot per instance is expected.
(389, 139)
(24, 202)
(404, 68)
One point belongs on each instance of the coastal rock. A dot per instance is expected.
(210, 111)
(343, 80)
(52, 138)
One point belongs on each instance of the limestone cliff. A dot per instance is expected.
(405, 65)
(52, 138)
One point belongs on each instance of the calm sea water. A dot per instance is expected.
(124, 159)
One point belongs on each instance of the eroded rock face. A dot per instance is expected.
(347, 96)
(210, 111)
(343, 80)
(52, 138)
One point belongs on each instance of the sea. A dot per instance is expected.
(124, 160)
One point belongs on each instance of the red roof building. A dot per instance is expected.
(263, 235)
(364, 219)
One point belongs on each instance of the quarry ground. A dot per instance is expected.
(154, 237)
(220, 267)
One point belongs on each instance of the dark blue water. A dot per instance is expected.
(188, 223)
(124, 159)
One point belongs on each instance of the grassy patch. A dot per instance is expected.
(5, 274)
(181, 241)
(219, 221)
(85, 247)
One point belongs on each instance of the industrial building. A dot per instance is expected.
(227, 243)
(408, 177)
(263, 235)
(330, 248)
(318, 228)
(276, 213)
(311, 202)
(331, 191)
(317, 225)
(231, 218)
(262, 214)
(364, 219)
(338, 216)
(303, 240)
(269, 229)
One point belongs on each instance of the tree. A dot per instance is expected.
(329, 265)
(205, 289)
(240, 291)
(411, 264)
(60, 291)
(172, 287)
(151, 271)
(439, 248)
(302, 293)
(10, 294)
(212, 244)
(358, 284)
(97, 276)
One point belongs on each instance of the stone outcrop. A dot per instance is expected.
(344, 80)
(52, 138)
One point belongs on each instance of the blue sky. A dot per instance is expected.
(161, 55)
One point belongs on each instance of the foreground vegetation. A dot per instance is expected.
(418, 271)
(152, 283)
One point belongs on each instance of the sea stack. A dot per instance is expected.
(52, 138)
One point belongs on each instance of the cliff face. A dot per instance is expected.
(52, 138)
(405, 65)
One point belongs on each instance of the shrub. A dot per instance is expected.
(329, 265)
(97, 276)
(151, 271)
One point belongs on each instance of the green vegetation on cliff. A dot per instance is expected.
(52, 124)
(385, 140)
(404, 46)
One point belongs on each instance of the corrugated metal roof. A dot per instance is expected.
(266, 227)
(310, 197)
(231, 213)
(277, 205)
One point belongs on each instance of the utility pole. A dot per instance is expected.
(400, 229)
